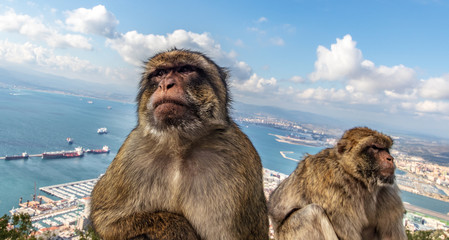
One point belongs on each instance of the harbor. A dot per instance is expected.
(68, 212)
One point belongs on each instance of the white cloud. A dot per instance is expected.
(432, 107)
(92, 21)
(135, 48)
(289, 28)
(257, 30)
(30, 53)
(372, 79)
(401, 96)
(262, 19)
(297, 79)
(16, 53)
(322, 94)
(345, 63)
(47, 61)
(435, 88)
(256, 84)
(394, 88)
(36, 30)
(342, 60)
(277, 41)
(239, 43)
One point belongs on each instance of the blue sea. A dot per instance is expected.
(37, 122)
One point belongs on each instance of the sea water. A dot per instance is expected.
(37, 122)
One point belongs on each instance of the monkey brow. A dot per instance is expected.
(176, 68)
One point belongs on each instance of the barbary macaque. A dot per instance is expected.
(344, 192)
(186, 171)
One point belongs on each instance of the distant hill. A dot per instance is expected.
(47, 82)
(292, 115)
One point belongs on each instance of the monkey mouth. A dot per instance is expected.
(168, 110)
(169, 102)
(387, 172)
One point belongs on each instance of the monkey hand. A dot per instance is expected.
(165, 226)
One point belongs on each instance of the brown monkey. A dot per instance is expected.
(186, 171)
(344, 192)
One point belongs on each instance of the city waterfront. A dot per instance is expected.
(38, 122)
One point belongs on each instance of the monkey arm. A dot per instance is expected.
(283, 201)
(159, 225)
(345, 226)
(310, 222)
(114, 217)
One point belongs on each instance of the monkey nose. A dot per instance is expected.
(166, 84)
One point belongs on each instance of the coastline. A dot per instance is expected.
(70, 94)
(412, 208)
(429, 195)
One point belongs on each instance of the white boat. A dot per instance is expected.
(102, 130)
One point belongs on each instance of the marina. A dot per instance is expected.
(68, 210)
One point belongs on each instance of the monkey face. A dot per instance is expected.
(169, 103)
(383, 163)
(366, 153)
(182, 90)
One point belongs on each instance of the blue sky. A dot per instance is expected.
(384, 62)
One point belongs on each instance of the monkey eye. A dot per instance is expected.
(160, 72)
(377, 148)
(186, 69)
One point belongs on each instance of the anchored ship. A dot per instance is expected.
(105, 149)
(14, 157)
(78, 152)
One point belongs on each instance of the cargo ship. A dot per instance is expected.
(105, 149)
(78, 152)
(14, 157)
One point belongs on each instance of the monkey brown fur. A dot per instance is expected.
(186, 171)
(344, 192)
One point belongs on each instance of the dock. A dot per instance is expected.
(71, 190)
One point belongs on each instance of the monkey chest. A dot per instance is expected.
(182, 183)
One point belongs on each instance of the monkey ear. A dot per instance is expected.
(341, 146)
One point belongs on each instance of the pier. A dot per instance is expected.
(289, 158)
(71, 190)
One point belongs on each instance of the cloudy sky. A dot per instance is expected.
(377, 61)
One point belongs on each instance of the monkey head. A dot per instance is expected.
(184, 91)
(365, 154)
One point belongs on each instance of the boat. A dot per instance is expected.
(102, 130)
(105, 149)
(51, 155)
(69, 140)
(78, 152)
(14, 157)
